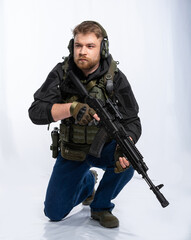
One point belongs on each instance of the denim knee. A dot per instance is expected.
(54, 213)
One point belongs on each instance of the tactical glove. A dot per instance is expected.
(82, 113)
(118, 168)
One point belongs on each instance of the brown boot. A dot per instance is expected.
(90, 199)
(105, 218)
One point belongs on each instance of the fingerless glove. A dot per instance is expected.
(82, 113)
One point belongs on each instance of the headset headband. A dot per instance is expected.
(99, 25)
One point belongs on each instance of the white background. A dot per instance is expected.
(151, 40)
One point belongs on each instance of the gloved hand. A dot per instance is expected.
(119, 154)
(82, 113)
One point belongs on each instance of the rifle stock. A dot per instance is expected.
(110, 119)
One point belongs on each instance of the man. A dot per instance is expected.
(72, 182)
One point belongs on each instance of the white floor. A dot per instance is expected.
(140, 214)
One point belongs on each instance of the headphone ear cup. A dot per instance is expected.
(104, 48)
(71, 46)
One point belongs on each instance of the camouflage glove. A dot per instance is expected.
(82, 113)
(118, 168)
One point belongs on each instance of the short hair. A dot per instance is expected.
(90, 27)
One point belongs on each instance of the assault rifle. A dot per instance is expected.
(110, 124)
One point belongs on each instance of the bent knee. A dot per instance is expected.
(55, 214)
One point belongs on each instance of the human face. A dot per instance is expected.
(87, 52)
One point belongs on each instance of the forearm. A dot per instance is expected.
(60, 111)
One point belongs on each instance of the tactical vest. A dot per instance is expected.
(76, 139)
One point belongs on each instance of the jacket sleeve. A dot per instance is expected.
(48, 94)
(127, 105)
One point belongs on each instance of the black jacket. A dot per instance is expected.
(54, 89)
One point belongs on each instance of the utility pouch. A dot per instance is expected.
(91, 132)
(84, 134)
(73, 152)
(78, 134)
(64, 132)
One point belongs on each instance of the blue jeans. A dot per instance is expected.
(72, 182)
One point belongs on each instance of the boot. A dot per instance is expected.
(90, 199)
(105, 218)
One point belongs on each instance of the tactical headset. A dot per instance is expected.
(104, 50)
